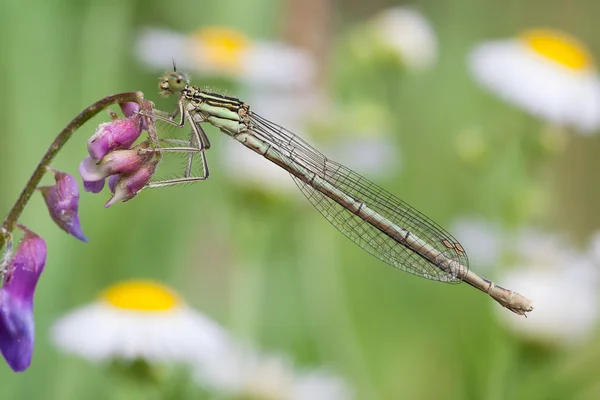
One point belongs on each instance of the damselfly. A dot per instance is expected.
(376, 220)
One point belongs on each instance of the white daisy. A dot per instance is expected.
(563, 285)
(139, 320)
(244, 373)
(403, 32)
(226, 52)
(548, 73)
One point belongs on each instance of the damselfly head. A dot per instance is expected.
(173, 82)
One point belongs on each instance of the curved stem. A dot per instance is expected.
(11, 219)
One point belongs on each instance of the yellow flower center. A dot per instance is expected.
(141, 295)
(221, 47)
(559, 47)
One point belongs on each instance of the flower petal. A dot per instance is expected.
(93, 186)
(115, 162)
(90, 170)
(131, 109)
(119, 134)
(63, 204)
(128, 186)
(112, 182)
(16, 301)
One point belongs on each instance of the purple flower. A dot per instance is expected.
(128, 186)
(131, 109)
(119, 134)
(93, 186)
(116, 162)
(62, 200)
(112, 182)
(16, 301)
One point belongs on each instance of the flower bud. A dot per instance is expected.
(119, 134)
(131, 109)
(128, 186)
(62, 201)
(115, 162)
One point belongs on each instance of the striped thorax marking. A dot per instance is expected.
(216, 104)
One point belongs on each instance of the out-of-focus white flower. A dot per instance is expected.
(139, 320)
(482, 240)
(538, 248)
(358, 136)
(226, 52)
(548, 73)
(594, 247)
(372, 155)
(293, 111)
(244, 373)
(406, 33)
(561, 282)
(252, 170)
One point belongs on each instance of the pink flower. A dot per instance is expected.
(119, 134)
(127, 186)
(116, 162)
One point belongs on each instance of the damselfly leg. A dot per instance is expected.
(197, 144)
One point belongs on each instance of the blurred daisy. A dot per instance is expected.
(242, 373)
(594, 247)
(401, 32)
(561, 282)
(250, 170)
(548, 73)
(294, 111)
(358, 136)
(349, 136)
(135, 320)
(226, 52)
(482, 239)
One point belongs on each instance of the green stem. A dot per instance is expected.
(13, 216)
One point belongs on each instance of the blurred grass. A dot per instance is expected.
(279, 273)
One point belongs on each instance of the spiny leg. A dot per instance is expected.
(183, 113)
(197, 133)
(195, 146)
(188, 178)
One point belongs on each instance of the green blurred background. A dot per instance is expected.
(273, 270)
